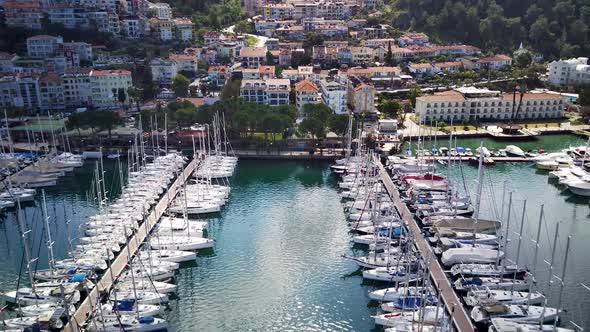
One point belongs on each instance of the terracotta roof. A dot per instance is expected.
(420, 65)
(110, 72)
(448, 64)
(499, 57)
(529, 96)
(174, 56)
(306, 86)
(217, 69)
(41, 37)
(266, 69)
(21, 4)
(253, 52)
(443, 96)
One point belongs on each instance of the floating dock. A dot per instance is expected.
(105, 284)
(460, 317)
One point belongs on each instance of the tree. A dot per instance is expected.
(105, 120)
(389, 55)
(390, 107)
(180, 85)
(76, 121)
(316, 120)
(414, 93)
(338, 124)
(523, 58)
(270, 59)
(121, 95)
(185, 117)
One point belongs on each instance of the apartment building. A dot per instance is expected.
(163, 71)
(273, 92)
(253, 57)
(106, 87)
(132, 27)
(473, 104)
(43, 45)
(184, 62)
(160, 10)
(77, 88)
(306, 92)
(574, 71)
(360, 94)
(217, 75)
(51, 92)
(183, 29)
(333, 94)
(23, 14)
(413, 38)
(261, 73)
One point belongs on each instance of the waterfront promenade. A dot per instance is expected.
(105, 284)
(460, 317)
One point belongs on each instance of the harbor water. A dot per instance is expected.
(278, 263)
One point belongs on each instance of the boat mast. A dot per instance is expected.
(562, 281)
(505, 237)
(530, 283)
(49, 240)
(519, 238)
(10, 147)
(479, 188)
(24, 233)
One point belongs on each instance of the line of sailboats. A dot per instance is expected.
(140, 293)
(498, 295)
(568, 167)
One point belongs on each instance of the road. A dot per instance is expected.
(261, 39)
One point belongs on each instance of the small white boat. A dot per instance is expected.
(514, 150)
(127, 323)
(37, 310)
(507, 325)
(143, 297)
(470, 255)
(394, 293)
(391, 274)
(181, 243)
(488, 296)
(175, 256)
(581, 188)
(491, 283)
(517, 313)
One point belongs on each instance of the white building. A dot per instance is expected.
(334, 95)
(23, 13)
(161, 10)
(273, 92)
(184, 62)
(306, 92)
(20, 91)
(569, 72)
(473, 104)
(43, 45)
(131, 27)
(83, 50)
(77, 89)
(163, 71)
(183, 29)
(106, 87)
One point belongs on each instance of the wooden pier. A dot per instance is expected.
(105, 284)
(460, 317)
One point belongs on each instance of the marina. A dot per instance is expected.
(282, 242)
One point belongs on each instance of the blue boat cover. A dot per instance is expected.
(146, 320)
(78, 277)
(123, 305)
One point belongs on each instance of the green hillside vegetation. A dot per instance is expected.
(552, 28)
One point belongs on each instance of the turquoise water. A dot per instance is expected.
(277, 264)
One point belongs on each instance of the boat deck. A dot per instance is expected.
(460, 317)
(87, 307)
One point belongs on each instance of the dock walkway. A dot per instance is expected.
(460, 317)
(119, 264)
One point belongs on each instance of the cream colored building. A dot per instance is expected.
(473, 104)
(106, 85)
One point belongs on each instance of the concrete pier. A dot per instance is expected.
(460, 317)
(119, 264)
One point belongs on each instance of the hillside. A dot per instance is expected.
(553, 28)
